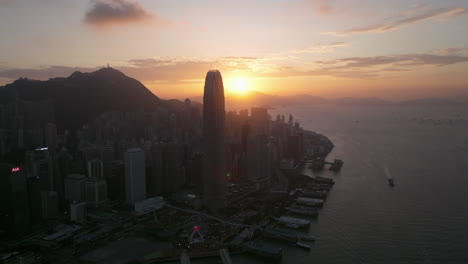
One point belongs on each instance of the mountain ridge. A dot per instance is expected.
(81, 97)
(255, 98)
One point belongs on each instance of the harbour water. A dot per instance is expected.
(423, 219)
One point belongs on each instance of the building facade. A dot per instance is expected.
(214, 168)
(135, 175)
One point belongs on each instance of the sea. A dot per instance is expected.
(422, 219)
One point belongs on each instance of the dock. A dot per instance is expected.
(319, 163)
(280, 235)
(225, 257)
(263, 250)
(184, 258)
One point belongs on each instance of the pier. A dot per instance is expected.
(184, 258)
(224, 255)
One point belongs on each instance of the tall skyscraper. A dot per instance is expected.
(260, 121)
(49, 204)
(167, 173)
(14, 203)
(78, 212)
(96, 191)
(135, 176)
(259, 160)
(95, 169)
(214, 168)
(51, 136)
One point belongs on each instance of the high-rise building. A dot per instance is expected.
(167, 173)
(49, 204)
(259, 121)
(96, 191)
(95, 169)
(75, 187)
(78, 212)
(214, 171)
(135, 175)
(51, 136)
(259, 160)
(116, 181)
(14, 202)
(39, 165)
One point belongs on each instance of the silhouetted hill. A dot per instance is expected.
(81, 97)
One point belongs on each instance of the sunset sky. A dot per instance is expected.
(375, 48)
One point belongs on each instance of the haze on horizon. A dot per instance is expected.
(337, 48)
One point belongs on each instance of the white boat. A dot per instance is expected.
(303, 245)
(293, 222)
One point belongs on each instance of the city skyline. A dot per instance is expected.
(392, 50)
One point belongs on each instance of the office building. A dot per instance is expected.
(75, 187)
(214, 171)
(78, 212)
(135, 175)
(96, 192)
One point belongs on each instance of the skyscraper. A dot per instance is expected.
(95, 169)
(214, 168)
(259, 160)
(96, 191)
(78, 212)
(135, 177)
(260, 121)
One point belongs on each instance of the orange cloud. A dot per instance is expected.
(105, 13)
(320, 48)
(184, 70)
(404, 19)
(321, 6)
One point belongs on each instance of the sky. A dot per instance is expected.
(332, 48)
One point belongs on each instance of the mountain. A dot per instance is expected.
(81, 97)
(255, 98)
(435, 101)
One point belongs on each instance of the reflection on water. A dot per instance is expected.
(422, 219)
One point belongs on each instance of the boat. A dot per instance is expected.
(336, 165)
(262, 250)
(310, 201)
(280, 235)
(291, 225)
(390, 182)
(302, 211)
(303, 245)
(293, 222)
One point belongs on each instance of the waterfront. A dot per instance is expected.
(422, 219)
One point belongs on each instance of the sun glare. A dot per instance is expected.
(238, 86)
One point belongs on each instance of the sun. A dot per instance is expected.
(239, 86)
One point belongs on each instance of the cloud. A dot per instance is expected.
(4, 3)
(404, 18)
(111, 12)
(458, 50)
(320, 48)
(185, 70)
(321, 6)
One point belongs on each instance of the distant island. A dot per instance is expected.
(268, 100)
